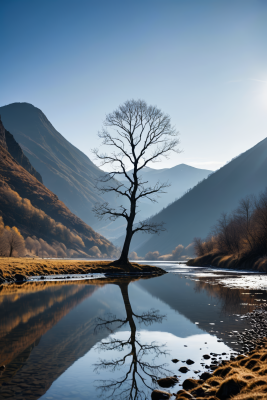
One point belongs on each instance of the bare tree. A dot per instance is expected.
(199, 247)
(259, 219)
(245, 212)
(138, 135)
(14, 242)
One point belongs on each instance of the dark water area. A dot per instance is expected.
(113, 338)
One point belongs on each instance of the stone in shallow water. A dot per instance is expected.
(168, 381)
(184, 370)
(160, 395)
(183, 394)
(20, 278)
(190, 362)
(190, 384)
(229, 388)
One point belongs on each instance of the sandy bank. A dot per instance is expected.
(230, 262)
(28, 267)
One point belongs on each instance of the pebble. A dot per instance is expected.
(184, 370)
(190, 362)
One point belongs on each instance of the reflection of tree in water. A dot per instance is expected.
(139, 375)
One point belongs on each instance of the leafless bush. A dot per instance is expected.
(242, 233)
(199, 247)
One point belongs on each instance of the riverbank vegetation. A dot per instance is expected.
(243, 378)
(28, 267)
(238, 240)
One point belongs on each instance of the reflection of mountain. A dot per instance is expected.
(28, 316)
(200, 301)
(36, 343)
(25, 318)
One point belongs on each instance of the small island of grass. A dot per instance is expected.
(29, 267)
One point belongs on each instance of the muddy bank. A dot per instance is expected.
(229, 262)
(14, 269)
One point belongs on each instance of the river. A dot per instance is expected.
(114, 337)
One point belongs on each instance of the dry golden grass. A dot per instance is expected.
(244, 378)
(230, 261)
(40, 267)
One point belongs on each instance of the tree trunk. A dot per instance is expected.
(129, 313)
(123, 260)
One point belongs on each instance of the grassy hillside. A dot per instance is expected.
(196, 212)
(65, 170)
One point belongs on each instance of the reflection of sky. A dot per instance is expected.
(81, 379)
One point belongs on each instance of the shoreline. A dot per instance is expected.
(257, 264)
(242, 377)
(20, 269)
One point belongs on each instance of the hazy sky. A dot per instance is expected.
(204, 62)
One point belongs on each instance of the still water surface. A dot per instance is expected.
(113, 338)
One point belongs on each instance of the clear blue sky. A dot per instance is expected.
(204, 62)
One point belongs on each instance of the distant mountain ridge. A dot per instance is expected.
(198, 210)
(181, 178)
(65, 170)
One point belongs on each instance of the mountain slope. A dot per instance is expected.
(15, 150)
(181, 178)
(27, 204)
(197, 211)
(65, 170)
(2, 135)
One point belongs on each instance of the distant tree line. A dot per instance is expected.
(242, 233)
(13, 244)
(180, 253)
(48, 238)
